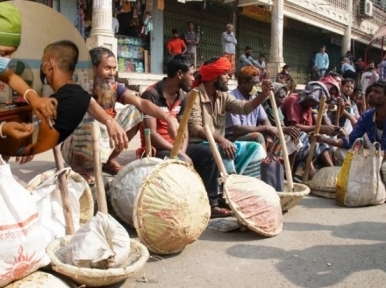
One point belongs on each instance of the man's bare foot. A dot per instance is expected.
(112, 167)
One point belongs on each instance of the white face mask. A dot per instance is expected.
(4, 62)
(254, 90)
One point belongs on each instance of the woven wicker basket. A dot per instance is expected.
(124, 187)
(86, 201)
(255, 204)
(136, 260)
(289, 200)
(324, 194)
(325, 180)
(171, 208)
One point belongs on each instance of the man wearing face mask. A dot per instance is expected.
(210, 109)
(255, 126)
(10, 37)
(58, 64)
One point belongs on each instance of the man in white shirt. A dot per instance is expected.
(369, 77)
(115, 23)
(229, 43)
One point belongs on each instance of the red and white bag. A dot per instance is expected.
(22, 249)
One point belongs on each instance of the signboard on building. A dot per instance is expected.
(257, 13)
(161, 4)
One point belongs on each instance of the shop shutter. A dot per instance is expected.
(209, 22)
(253, 33)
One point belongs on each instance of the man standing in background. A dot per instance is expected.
(229, 43)
(176, 45)
(192, 39)
(115, 23)
(322, 61)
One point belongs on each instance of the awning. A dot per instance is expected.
(380, 33)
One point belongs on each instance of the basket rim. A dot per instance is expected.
(121, 174)
(238, 214)
(138, 220)
(56, 263)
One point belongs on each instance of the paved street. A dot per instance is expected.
(321, 245)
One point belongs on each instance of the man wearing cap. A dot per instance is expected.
(10, 36)
(297, 111)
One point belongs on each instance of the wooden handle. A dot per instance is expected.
(313, 142)
(66, 204)
(147, 142)
(99, 185)
(215, 152)
(364, 104)
(287, 165)
(338, 112)
(184, 121)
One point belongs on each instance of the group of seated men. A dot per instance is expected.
(241, 121)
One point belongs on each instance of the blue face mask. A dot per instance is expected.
(4, 62)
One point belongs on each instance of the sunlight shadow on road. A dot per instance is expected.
(317, 266)
(374, 231)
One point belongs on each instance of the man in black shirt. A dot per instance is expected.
(58, 65)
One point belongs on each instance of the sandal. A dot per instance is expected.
(89, 179)
(111, 169)
(218, 212)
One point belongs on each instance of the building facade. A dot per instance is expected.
(341, 25)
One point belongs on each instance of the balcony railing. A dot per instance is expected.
(338, 3)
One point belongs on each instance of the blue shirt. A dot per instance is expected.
(322, 61)
(252, 119)
(366, 124)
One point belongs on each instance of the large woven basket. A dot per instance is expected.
(289, 200)
(255, 204)
(325, 180)
(86, 201)
(124, 187)
(171, 208)
(136, 260)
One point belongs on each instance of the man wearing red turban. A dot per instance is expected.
(214, 101)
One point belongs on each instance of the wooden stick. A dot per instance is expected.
(313, 142)
(184, 121)
(99, 185)
(147, 142)
(338, 112)
(215, 152)
(364, 105)
(66, 204)
(287, 165)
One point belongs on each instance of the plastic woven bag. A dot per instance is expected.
(22, 248)
(359, 181)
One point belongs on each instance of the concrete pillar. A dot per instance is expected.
(157, 45)
(346, 40)
(102, 31)
(276, 52)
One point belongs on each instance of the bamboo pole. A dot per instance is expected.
(215, 152)
(147, 142)
(184, 122)
(287, 165)
(99, 185)
(66, 204)
(313, 142)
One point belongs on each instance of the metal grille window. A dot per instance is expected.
(381, 4)
(339, 3)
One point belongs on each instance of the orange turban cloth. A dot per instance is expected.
(213, 70)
